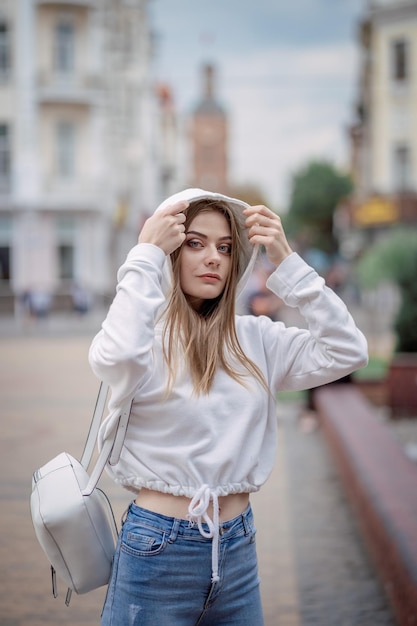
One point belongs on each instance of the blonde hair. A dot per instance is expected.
(207, 339)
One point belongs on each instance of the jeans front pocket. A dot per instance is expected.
(143, 540)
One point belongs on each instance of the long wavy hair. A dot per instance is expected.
(206, 340)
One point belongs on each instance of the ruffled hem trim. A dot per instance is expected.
(135, 484)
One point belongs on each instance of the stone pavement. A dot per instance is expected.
(313, 565)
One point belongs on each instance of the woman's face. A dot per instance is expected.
(205, 257)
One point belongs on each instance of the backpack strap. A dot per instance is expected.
(112, 446)
(90, 443)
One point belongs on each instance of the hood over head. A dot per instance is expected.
(248, 253)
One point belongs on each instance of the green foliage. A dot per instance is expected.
(394, 259)
(292, 396)
(389, 260)
(375, 370)
(317, 189)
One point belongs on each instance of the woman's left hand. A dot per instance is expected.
(265, 228)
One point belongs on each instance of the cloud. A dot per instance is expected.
(288, 105)
(286, 73)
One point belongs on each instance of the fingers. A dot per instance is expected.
(177, 209)
(260, 215)
(165, 228)
(177, 212)
(175, 223)
(262, 224)
(265, 228)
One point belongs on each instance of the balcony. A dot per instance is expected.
(82, 90)
(87, 4)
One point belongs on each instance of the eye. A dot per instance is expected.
(194, 243)
(225, 248)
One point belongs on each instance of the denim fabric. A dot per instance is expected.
(162, 574)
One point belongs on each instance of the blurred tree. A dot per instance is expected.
(316, 190)
(394, 259)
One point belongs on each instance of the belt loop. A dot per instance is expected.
(246, 523)
(125, 514)
(174, 530)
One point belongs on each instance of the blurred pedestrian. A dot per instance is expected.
(40, 302)
(335, 275)
(81, 299)
(259, 299)
(203, 381)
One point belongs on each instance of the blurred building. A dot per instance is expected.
(208, 139)
(384, 135)
(168, 139)
(81, 130)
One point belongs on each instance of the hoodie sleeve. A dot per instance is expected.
(331, 347)
(121, 353)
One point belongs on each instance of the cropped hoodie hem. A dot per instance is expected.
(135, 484)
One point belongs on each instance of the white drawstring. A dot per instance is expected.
(197, 512)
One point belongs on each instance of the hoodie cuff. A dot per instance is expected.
(147, 252)
(289, 276)
(143, 254)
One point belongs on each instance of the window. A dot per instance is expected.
(400, 60)
(5, 247)
(64, 47)
(4, 157)
(66, 232)
(4, 263)
(65, 148)
(5, 60)
(66, 261)
(402, 167)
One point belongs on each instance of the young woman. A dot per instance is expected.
(202, 431)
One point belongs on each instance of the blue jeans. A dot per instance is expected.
(162, 574)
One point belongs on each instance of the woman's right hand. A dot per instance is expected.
(165, 228)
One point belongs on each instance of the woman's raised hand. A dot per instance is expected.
(165, 228)
(265, 228)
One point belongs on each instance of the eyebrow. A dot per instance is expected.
(195, 232)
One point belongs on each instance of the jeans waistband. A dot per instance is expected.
(173, 526)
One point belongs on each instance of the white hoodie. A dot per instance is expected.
(225, 442)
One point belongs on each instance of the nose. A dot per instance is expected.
(212, 256)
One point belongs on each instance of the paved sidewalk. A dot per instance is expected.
(313, 566)
(334, 580)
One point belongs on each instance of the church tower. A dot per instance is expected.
(209, 139)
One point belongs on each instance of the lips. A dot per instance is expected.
(210, 277)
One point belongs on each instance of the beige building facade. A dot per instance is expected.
(79, 138)
(384, 137)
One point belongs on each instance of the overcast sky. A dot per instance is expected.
(286, 74)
